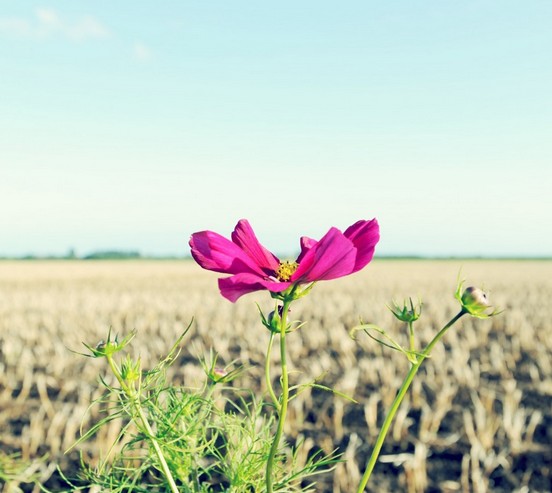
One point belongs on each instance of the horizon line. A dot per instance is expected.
(116, 255)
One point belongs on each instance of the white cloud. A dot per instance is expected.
(142, 52)
(48, 18)
(46, 23)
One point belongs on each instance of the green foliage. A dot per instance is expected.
(208, 440)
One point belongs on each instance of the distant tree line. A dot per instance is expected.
(97, 255)
(112, 255)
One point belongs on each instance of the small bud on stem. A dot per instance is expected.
(474, 301)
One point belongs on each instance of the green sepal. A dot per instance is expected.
(406, 314)
(108, 347)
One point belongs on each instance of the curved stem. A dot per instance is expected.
(135, 401)
(267, 373)
(282, 410)
(398, 400)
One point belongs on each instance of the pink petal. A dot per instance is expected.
(364, 235)
(245, 238)
(214, 252)
(235, 286)
(332, 257)
(306, 244)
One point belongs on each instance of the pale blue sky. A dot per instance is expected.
(131, 125)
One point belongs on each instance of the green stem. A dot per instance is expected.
(398, 400)
(282, 411)
(135, 401)
(267, 373)
(411, 336)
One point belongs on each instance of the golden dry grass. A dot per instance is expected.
(478, 417)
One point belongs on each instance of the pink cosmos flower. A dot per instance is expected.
(253, 267)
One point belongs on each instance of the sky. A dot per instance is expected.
(130, 125)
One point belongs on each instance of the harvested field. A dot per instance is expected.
(478, 417)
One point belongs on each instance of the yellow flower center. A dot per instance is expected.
(285, 270)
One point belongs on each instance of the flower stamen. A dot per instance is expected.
(285, 270)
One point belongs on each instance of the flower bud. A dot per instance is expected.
(107, 348)
(475, 297)
(475, 302)
(407, 313)
(274, 321)
(216, 374)
(104, 348)
(131, 370)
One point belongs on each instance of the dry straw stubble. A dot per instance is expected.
(478, 417)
